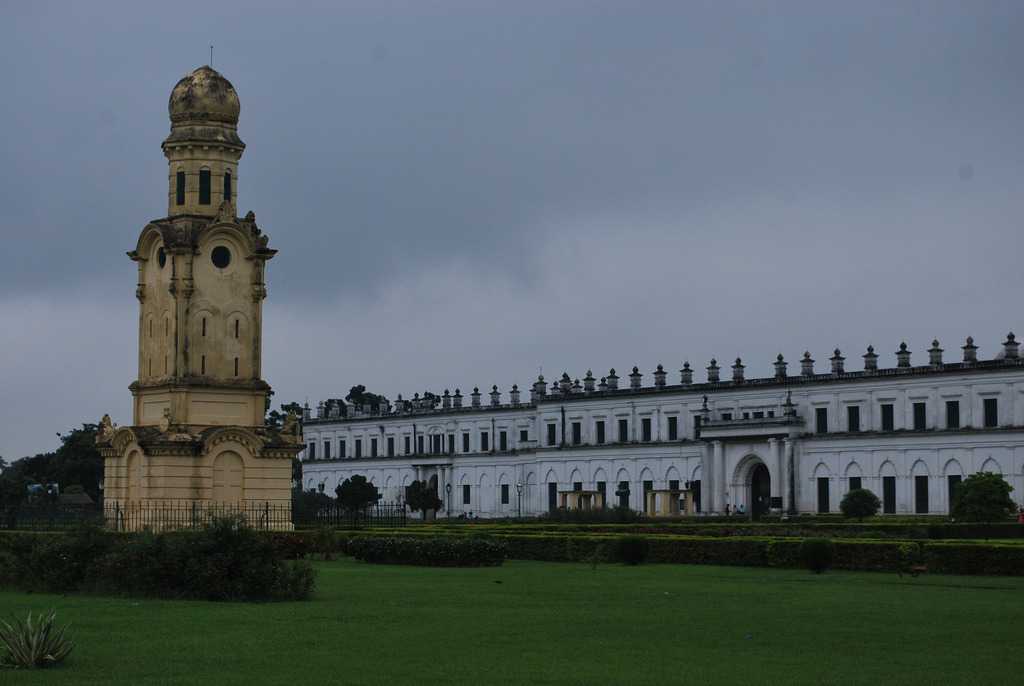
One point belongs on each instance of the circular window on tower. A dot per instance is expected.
(161, 257)
(221, 257)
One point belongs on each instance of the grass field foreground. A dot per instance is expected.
(552, 623)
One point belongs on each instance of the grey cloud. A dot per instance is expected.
(589, 184)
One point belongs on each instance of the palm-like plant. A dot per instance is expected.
(36, 642)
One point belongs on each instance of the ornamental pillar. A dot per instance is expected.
(718, 460)
(775, 450)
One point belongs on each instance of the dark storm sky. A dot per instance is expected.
(464, 192)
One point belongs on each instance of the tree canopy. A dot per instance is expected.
(420, 497)
(76, 462)
(358, 395)
(859, 503)
(356, 493)
(983, 497)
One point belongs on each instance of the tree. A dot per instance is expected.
(357, 395)
(75, 462)
(296, 473)
(276, 419)
(356, 493)
(983, 497)
(860, 503)
(420, 497)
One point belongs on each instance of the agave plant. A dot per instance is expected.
(36, 642)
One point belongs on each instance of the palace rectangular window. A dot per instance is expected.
(408, 445)
(391, 446)
(179, 191)
(673, 484)
(888, 424)
(204, 186)
(577, 433)
(435, 444)
(952, 483)
(623, 431)
(991, 412)
(465, 442)
(952, 414)
(503, 441)
(645, 428)
(485, 442)
(504, 494)
(373, 447)
(920, 416)
(921, 494)
(673, 428)
(451, 444)
(327, 450)
(552, 496)
(821, 419)
(552, 431)
(341, 449)
(524, 436)
(577, 486)
(466, 495)
(853, 418)
(854, 483)
(419, 445)
(599, 431)
(727, 416)
(311, 453)
(759, 415)
(823, 503)
(227, 186)
(602, 488)
(359, 448)
(889, 494)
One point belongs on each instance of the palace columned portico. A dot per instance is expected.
(741, 454)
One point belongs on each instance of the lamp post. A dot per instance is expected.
(519, 500)
(448, 500)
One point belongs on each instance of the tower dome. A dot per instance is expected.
(204, 95)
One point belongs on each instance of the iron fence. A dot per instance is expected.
(163, 515)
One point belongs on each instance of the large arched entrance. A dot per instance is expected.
(760, 491)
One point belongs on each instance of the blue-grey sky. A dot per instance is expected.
(463, 192)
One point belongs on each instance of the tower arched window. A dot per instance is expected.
(227, 185)
(179, 190)
(204, 186)
(236, 328)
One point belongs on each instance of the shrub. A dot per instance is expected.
(607, 515)
(226, 561)
(632, 550)
(860, 503)
(36, 642)
(469, 551)
(817, 554)
(983, 497)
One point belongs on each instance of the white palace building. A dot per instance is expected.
(791, 443)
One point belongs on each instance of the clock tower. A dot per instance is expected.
(197, 435)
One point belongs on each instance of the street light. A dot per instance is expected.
(448, 499)
(519, 500)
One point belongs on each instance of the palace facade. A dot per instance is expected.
(791, 442)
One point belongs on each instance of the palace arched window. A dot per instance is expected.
(204, 186)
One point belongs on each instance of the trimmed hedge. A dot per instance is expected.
(448, 551)
(226, 561)
(855, 555)
(799, 529)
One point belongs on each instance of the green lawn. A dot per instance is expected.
(546, 623)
